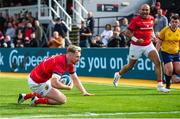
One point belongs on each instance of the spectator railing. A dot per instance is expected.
(100, 22)
(79, 12)
(54, 10)
(11, 11)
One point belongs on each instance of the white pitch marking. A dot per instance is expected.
(90, 114)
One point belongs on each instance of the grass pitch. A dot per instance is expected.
(109, 102)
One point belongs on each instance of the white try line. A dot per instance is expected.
(89, 114)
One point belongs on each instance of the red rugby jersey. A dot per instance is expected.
(54, 64)
(142, 28)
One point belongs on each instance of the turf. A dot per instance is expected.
(109, 102)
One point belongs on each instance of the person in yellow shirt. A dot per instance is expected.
(169, 42)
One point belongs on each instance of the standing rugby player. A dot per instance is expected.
(140, 31)
(169, 42)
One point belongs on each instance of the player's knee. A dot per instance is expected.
(168, 72)
(176, 71)
(62, 100)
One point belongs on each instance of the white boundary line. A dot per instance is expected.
(89, 114)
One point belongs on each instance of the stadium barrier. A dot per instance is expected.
(98, 62)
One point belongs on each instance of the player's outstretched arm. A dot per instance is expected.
(88, 94)
(79, 85)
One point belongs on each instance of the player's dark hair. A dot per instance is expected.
(175, 17)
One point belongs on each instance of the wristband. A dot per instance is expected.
(134, 39)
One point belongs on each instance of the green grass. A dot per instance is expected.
(109, 102)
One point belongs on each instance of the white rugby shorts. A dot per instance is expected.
(136, 51)
(42, 88)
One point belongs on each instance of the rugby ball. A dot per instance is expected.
(65, 79)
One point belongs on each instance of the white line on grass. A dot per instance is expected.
(89, 114)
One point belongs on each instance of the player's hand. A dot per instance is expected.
(140, 41)
(88, 94)
(71, 86)
(155, 40)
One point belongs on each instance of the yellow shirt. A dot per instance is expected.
(170, 40)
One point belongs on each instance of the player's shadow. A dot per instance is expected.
(16, 109)
(17, 106)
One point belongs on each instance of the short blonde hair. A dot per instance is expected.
(73, 49)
